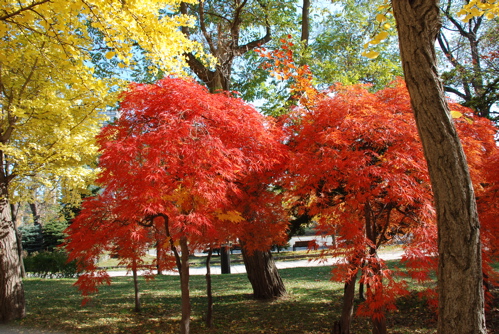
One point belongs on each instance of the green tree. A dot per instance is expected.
(470, 58)
(340, 36)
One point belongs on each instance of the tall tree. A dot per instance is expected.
(51, 100)
(460, 310)
(228, 30)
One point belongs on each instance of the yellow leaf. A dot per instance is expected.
(387, 25)
(371, 54)
(110, 54)
(382, 35)
(455, 114)
(380, 18)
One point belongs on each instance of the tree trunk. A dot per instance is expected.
(136, 289)
(159, 256)
(209, 294)
(225, 259)
(379, 325)
(12, 303)
(36, 213)
(343, 326)
(13, 210)
(263, 274)
(184, 287)
(461, 310)
(305, 22)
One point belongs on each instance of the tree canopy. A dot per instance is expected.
(178, 159)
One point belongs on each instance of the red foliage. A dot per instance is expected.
(358, 167)
(179, 152)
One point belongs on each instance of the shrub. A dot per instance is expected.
(50, 264)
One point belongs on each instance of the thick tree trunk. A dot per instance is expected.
(461, 310)
(184, 286)
(263, 274)
(12, 303)
(305, 22)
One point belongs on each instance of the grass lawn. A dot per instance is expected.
(312, 305)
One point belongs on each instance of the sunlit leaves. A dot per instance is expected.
(52, 102)
(384, 27)
(476, 8)
(358, 167)
(122, 23)
(201, 160)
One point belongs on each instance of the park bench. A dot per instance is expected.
(306, 243)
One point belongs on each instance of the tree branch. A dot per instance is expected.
(22, 9)
(455, 91)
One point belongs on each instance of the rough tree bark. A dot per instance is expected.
(12, 303)
(460, 310)
(263, 274)
(14, 208)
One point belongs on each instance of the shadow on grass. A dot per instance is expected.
(312, 304)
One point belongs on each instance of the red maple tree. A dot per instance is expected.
(358, 167)
(178, 159)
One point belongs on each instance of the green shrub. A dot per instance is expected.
(50, 264)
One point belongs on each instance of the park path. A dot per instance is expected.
(241, 269)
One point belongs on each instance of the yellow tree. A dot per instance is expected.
(52, 103)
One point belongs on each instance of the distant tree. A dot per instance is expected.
(470, 52)
(32, 238)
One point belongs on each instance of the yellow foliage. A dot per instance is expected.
(455, 114)
(475, 8)
(51, 101)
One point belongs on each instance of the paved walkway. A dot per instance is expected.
(240, 268)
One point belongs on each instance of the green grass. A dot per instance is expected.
(312, 304)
